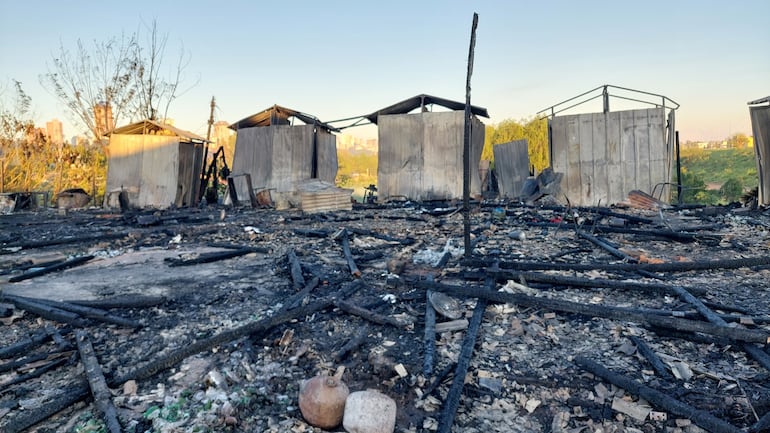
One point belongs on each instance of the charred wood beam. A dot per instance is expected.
(298, 281)
(53, 268)
(369, 315)
(89, 312)
(755, 352)
(14, 247)
(30, 343)
(295, 300)
(122, 301)
(351, 345)
(651, 357)
(629, 267)
(254, 328)
(452, 400)
(231, 246)
(96, 381)
(29, 265)
(312, 233)
(37, 372)
(46, 311)
(380, 236)
(344, 240)
(208, 257)
(13, 365)
(80, 391)
(603, 244)
(438, 379)
(702, 419)
(615, 313)
(630, 218)
(429, 339)
(671, 235)
(566, 281)
(376, 255)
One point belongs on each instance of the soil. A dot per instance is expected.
(522, 375)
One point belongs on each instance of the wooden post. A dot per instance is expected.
(467, 143)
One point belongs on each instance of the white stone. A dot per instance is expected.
(369, 412)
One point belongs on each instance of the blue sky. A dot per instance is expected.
(338, 59)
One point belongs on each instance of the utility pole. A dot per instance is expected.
(202, 189)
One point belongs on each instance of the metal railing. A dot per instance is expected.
(665, 101)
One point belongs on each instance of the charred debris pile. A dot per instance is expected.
(560, 319)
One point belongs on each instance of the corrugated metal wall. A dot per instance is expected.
(420, 155)
(511, 167)
(147, 167)
(604, 156)
(760, 126)
(278, 156)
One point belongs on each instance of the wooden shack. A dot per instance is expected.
(604, 156)
(421, 154)
(155, 164)
(759, 110)
(279, 148)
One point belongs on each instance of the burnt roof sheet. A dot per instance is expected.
(765, 100)
(418, 101)
(148, 125)
(264, 118)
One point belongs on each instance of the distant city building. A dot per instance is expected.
(78, 139)
(54, 131)
(104, 120)
(354, 144)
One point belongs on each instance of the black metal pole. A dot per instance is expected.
(467, 143)
(678, 172)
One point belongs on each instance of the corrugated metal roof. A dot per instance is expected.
(278, 115)
(764, 100)
(422, 100)
(149, 126)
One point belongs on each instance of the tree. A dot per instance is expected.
(155, 93)
(738, 141)
(534, 130)
(114, 79)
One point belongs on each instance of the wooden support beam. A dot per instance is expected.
(616, 313)
(49, 269)
(669, 404)
(208, 257)
(47, 311)
(652, 358)
(96, 381)
(84, 311)
(30, 343)
(452, 400)
(369, 315)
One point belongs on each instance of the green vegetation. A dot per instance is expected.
(535, 131)
(731, 171)
(357, 171)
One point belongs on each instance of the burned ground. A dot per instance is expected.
(224, 344)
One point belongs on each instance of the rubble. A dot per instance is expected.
(209, 320)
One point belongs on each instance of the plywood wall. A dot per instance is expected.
(279, 156)
(420, 155)
(604, 156)
(511, 167)
(760, 125)
(147, 167)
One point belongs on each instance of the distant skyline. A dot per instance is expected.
(340, 59)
